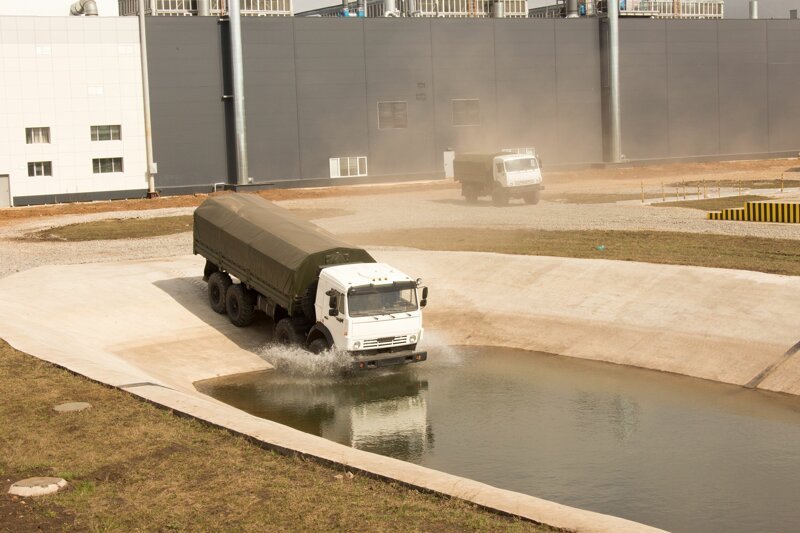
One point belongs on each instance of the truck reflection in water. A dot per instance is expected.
(385, 412)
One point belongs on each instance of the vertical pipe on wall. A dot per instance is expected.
(753, 9)
(613, 82)
(499, 9)
(234, 18)
(572, 9)
(148, 131)
(203, 8)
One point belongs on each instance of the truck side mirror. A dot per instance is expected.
(333, 303)
(424, 301)
(333, 312)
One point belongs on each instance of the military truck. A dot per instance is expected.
(501, 176)
(320, 292)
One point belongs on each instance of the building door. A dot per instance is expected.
(5, 191)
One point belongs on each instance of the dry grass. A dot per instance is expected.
(755, 183)
(714, 204)
(721, 251)
(597, 198)
(132, 466)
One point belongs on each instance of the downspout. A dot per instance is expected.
(242, 172)
(83, 7)
(203, 8)
(613, 82)
(150, 172)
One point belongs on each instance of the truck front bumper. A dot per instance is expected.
(522, 190)
(366, 362)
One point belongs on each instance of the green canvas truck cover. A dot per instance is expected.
(266, 246)
(474, 167)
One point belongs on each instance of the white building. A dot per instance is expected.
(71, 115)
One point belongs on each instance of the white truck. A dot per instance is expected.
(501, 176)
(320, 292)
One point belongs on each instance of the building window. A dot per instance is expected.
(392, 115)
(347, 167)
(107, 133)
(466, 112)
(37, 135)
(107, 165)
(40, 168)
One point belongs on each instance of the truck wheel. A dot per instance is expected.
(285, 332)
(318, 346)
(218, 283)
(241, 304)
(532, 198)
(499, 197)
(470, 193)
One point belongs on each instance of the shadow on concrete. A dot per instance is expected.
(190, 293)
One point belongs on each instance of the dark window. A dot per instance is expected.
(392, 115)
(466, 112)
(107, 165)
(40, 168)
(37, 135)
(111, 132)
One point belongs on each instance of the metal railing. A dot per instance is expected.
(681, 9)
(431, 8)
(188, 8)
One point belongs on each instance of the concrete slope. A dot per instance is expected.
(145, 327)
(717, 324)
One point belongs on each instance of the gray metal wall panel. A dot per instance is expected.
(188, 117)
(527, 104)
(331, 89)
(692, 88)
(579, 101)
(271, 99)
(399, 68)
(783, 52)
(643, 89)
(463, 68)
(743, 112)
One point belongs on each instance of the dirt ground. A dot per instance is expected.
(595, 180)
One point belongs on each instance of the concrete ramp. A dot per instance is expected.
(145, 326)
(723, 325)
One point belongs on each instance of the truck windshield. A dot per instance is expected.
(382, 301)
(515, 165)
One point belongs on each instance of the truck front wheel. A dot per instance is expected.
(318, 346)
(285, 332)
(218, 283)
(532, 198)
(241, 304)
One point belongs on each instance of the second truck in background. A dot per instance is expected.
(501, 176)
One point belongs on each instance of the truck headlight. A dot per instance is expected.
(412, 339)
(357, 345)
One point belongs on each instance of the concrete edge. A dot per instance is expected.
(288, 441)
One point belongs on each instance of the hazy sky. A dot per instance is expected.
(733, 8)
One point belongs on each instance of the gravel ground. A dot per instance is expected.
(430, 209)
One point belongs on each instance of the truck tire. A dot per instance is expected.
(218, 283)
(318, 346)
(470, 193)
(285, 332)
(499, 197)
(532, 198)
(241, 305)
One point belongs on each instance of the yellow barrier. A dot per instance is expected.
(781, 212)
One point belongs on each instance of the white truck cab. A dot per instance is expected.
(373, 311)
(515, 170)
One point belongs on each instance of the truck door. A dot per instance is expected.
(335, 322)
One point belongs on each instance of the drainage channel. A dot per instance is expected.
(678, 453)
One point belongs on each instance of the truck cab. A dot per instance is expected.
(371, 310)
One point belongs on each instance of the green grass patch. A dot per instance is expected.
(721, 251)
(134, 467)
(714, 204)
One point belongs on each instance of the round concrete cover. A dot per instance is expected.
(72, 406)
(37, 486)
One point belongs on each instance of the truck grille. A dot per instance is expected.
(385, 342)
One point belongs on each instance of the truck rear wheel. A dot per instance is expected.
(218, 283)
(499, 197)
(318, 346)
(285, 332)
(470, 193)
(532, 198)
(241, 305)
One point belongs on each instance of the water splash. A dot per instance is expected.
(440, 349)
(296, 361)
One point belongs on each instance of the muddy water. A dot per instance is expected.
(673, 452)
